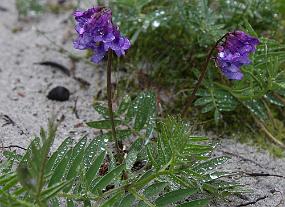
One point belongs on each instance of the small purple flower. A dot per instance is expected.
(97, 32)
(234, 53)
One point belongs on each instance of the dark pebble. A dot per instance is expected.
(59, 93)
(3, 9)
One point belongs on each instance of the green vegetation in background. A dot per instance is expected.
(170, 43)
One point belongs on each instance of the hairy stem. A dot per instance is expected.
(201, 78)
(109, 97)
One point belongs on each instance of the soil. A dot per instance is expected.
(25, 107)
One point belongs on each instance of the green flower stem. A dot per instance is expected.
(118, 144)
(201, 78)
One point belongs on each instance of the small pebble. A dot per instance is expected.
(59, 93)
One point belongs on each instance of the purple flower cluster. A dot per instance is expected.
(234, 53)
(97, 32)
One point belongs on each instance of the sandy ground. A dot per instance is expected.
(24, 86)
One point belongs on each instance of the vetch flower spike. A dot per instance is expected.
(97, 32)
(234, 52)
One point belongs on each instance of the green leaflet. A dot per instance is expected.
(102, 110)
(257, 108)
(124, 105)
(142, 110)
(112, 201)
(273, 100)
(174, 196)
(76, 162)
(59, 171)
(95, 147)
(215, 99)
(154, 189)
(127, 201)
(106, 179)
(58, 154)
(209, 165)
(151, 191)
(53, 190)
(94, 168)
(133, 153)
(103, 124)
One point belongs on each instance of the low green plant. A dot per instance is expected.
(175, 165)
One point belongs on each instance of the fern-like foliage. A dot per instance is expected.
(177, 165)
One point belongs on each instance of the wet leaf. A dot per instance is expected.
(103, 124)
(127, 201)
(57, 156)
(112, 201)
(152, 190)
(59, 171)
(143, 111)
(133, 153)
(257, 108)
(209, 165)
(174, 196)
(124, 105)
(53, 190)
(102, 110)
(106, 179)
(94, 168)
(96, 146)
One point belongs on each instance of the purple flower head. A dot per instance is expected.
(234, 53)
(97, 32)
